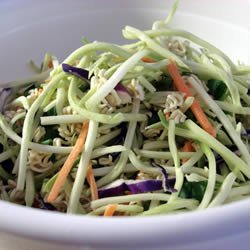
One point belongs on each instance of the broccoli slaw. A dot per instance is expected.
(152, 127)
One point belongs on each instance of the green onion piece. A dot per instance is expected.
(218, 89)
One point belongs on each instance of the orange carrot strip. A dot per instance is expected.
(195, 107)
(65, 170)
(92, 183)
(188, 147)
(148, 60)
(110, 210)
(167, 115)
(50, 64)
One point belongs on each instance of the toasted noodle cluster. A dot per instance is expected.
(153, 127)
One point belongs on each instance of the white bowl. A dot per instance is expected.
(28, 29)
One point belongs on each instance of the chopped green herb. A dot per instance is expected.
(193, 190)
(164, 84)
(217, 88)
(51, 112)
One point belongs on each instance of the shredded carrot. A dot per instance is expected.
(92, 182)
(188, 147)
(110, 210)
(65, 170)
(195, 107)
(148, 60)
(50, 64)
(40, 91)
(167, 115)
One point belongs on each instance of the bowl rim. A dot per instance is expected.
(118, 231)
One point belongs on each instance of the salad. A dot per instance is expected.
(157, 126)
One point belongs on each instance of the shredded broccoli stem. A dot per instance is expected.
(87, 114)
(147, 85)
(172, 12)
(179, 179)
(220, 62)
(238, 191)
(108, 119)
(232, 108)
(128, 198)
(32, 145)
(60, 99)
(172, 144)
(132, 33)
(234, 162)
(174, 151)
(95, 46)
(223, 119)
(17, 117)
(211, 177)
(105, 89)
(187, 35)
(21, 100)
(105, 138)
(68, 188)
(196, 133)
(187, 166)
(172, 206)
(163, 155)
(87, 96)
(153, 204)
(82, 167)
(62, 119)
(143, 167)
(187, 103)
(153, 45)
(155, 145)
(30, 191)
(127, 209)
(107, 150)
(118, 168)
(27, 128)
(224, 190)
(129, 168)
(50, 106)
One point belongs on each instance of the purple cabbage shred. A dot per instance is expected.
(120, 87)
(75, 71)
(167, 186)
(40, 203)
(134, 187)
(247, 134)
